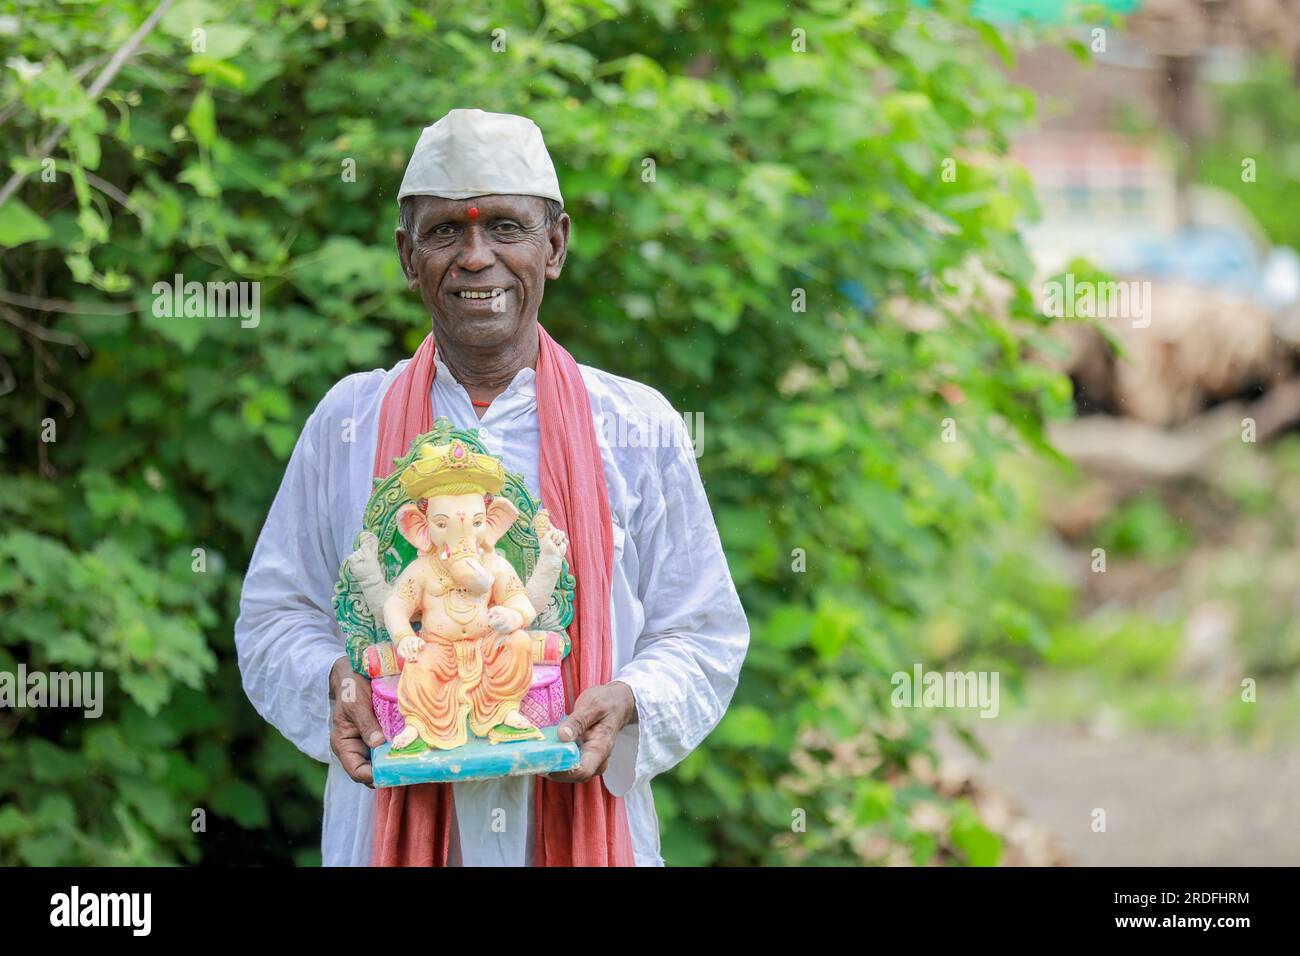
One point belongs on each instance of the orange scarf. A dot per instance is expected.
(576, 824)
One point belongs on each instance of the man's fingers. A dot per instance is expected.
(355, 758)
(367, 725)
(583, 726)
(353, 754)
(591, 765)
(597, 744)
(598, 715)
(356, 712)
(594, 758)
(585, 716)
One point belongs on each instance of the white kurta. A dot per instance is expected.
(679, 631)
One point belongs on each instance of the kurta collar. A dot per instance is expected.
(524, 384)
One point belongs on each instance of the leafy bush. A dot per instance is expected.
(862, 171)
(1144, 527)
(1260, 118)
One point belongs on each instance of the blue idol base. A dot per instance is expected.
(477, 760)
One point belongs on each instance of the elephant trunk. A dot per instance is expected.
(467, 570)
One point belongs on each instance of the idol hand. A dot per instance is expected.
(504, 620)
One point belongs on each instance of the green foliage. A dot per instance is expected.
(774, 170)
(1121, 646)
(1260, 123)
(1143, 527)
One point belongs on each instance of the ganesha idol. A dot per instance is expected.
(463, 655)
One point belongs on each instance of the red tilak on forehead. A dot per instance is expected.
(473, 212)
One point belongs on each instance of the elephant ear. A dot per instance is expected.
(414, 525)
(501, 514)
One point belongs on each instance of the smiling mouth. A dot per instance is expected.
(480, 294)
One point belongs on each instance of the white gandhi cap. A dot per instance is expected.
(472, 153)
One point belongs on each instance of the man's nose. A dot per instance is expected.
(475, 251)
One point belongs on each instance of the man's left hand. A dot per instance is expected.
(598, 715)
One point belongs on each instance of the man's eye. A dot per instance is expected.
(507, 226)
(443, 230)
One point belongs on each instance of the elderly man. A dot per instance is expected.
(659, 634)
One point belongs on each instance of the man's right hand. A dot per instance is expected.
(353, 727)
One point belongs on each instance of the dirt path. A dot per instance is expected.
(1168, 801)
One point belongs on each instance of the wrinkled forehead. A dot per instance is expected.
(492, 205)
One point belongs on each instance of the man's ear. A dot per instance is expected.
(414, 526)
(559, 239)
(501, 514)
(405, 246)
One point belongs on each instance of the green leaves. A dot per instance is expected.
(974, 841)
(746, 727)
(242, 803)
(18, 224)
(779, 177)
(223, 41)
(229, 54)
(201, 120)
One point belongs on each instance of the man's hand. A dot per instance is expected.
(598, 715)
(353, 727)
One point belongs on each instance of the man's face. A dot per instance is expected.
(481, 278)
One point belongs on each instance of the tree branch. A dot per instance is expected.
(42, 333)
(64, 305)
(105, 77)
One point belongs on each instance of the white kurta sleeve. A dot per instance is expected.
(286, 637)
(687, 660)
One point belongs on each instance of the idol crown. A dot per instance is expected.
(452, 469)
